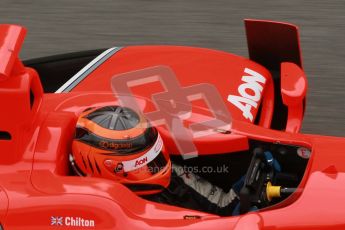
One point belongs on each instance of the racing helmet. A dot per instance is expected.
(119, 144)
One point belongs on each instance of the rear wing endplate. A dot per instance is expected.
(270, 43)
(276, 46)
(11, 40)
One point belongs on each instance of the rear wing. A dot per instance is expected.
(271, 43)
(11, 40)
(276, 46)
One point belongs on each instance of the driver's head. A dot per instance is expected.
(116, 143)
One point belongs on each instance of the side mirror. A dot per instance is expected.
(293, 84)
(293, 91)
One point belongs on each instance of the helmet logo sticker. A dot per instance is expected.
(115, 146)
(149, 156)
(140, 162)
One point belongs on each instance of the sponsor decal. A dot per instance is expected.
(191, 217)
(304, 152)
(250, 93)
(112, 145)
(140, 162)
(71, 221)
(151, 154)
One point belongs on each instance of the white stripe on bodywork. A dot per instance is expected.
(149, 156)
(83, 70)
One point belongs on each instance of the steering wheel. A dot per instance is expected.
(257, 190)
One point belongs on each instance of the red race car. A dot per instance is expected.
(80, 132)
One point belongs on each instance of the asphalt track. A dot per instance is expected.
(71, 25)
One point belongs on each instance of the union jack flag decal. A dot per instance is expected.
(56, 220)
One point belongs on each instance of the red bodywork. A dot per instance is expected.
(36, 138)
